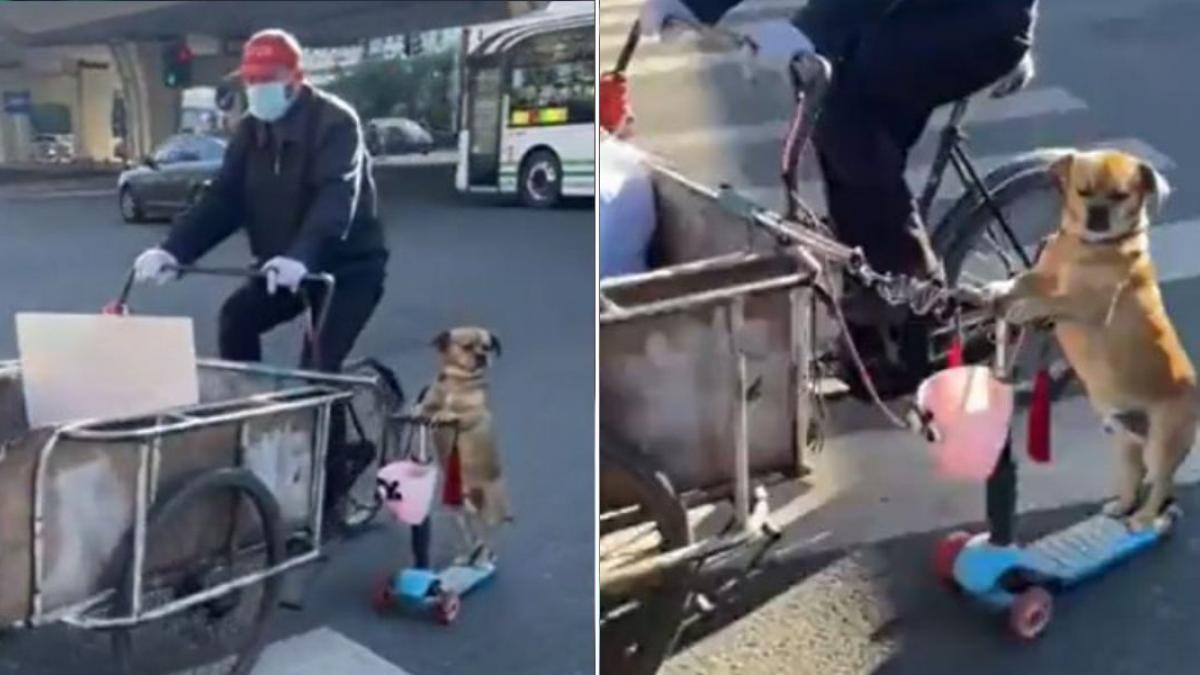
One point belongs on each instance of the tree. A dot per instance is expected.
(416, 87)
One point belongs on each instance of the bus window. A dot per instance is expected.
(552, 79)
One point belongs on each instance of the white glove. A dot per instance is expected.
(152, 265)
(284, 272)
(656, 13)
(1017, 79)
(995, 291)
(777, 43)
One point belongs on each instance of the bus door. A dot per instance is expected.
(484, 117)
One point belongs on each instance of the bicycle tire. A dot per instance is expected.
(959, 233)
(240, 482)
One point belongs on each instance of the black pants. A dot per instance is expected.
(250, 312)
(916, 60)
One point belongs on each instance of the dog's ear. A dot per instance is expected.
(1154, 187)
(442, 341)
(1061, 170)
(494, 343)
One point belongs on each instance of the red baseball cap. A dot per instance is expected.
(266, 53)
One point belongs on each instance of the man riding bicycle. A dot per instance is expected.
(894, 63)
(297, 180)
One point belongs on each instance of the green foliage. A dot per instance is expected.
(417, 87)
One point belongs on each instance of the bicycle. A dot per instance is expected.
(982, 215)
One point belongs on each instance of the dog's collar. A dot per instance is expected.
(1114, 239)
(459, 374)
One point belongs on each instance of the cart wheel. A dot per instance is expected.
(948, 548)
(1031, 613)
(638, 628)
(382, 596)
(215, 527)
(448, 606)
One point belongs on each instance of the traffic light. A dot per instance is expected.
(177, 65)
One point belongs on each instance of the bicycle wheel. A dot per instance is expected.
(976, 248)
(355, 511)
(638, 628)
(225, 634)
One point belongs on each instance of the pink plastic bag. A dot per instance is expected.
(971, 413)
(406, 488)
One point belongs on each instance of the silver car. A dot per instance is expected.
(172, 179)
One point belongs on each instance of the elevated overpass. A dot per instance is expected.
(80, 54)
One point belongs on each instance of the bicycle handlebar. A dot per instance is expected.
(317, 318)
(811, 75)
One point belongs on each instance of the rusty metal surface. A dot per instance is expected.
(668, 383)
(90, 490)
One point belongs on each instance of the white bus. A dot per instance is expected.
(527, 106)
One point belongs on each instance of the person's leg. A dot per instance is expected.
(880, 104)
(357, 293)
(929, 54)
(248, 313)
(863, 163)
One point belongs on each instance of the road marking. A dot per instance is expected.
(67, 194)
(1173, 248)
(648, 64)
(865, 495)
(322, 651)
(1026, 104)
(771, 195)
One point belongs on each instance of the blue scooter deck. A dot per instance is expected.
(424, 585)
(1087, 548)
(461, 579)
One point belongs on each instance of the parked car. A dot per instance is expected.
(53, 148)
(171, 180)
(397, 136)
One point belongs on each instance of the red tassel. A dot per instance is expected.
(1039, 418)
(955, 357)
(614, 101)
(452, 492)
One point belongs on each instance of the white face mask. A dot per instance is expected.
(269, 101)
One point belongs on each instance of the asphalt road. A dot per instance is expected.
(527, 276)
(856, 595)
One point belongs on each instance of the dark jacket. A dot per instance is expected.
(301, 187)
(835, 25)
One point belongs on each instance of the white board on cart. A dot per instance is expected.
(86, 366)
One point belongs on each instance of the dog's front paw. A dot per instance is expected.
(1118, 508)
(996, 291)
(1022, 310)
(443, 417)
(1142, 520)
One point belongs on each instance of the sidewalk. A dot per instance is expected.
(872, 483)
(37, 180)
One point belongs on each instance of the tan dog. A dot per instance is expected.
(459, 395)
(1095, 279)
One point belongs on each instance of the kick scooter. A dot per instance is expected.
(1022, 580)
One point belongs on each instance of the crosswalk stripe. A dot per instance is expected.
(322, 651)
(1173, 248)
(652, 64)
(1026, 104)
(772, 196)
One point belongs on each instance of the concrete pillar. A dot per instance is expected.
(152, 109)
(93, 112)
(16, 133)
